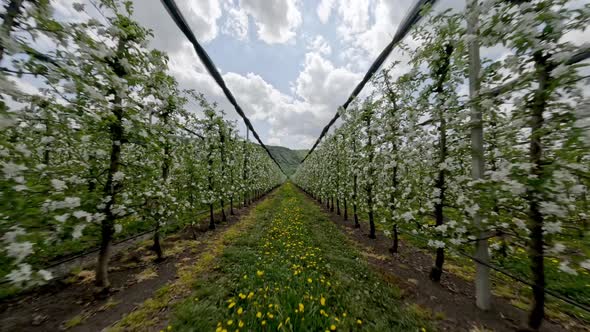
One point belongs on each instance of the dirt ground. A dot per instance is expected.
(72, 303)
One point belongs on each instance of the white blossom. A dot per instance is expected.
(19, 250)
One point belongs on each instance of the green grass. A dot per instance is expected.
(293, 271)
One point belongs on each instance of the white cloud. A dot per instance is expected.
(236, 23)
(324, 10)
(321, 83)
(276, 20)
(354, 16)
(320, 44)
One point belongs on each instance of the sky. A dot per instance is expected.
(289, 63)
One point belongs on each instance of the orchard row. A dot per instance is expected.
(108, 143)
(462, 149)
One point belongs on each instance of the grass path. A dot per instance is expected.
(291, 269)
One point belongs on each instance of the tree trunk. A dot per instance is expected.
(211, 217)
(223, 216)
(441, 73)
(372, 234)
(157, 247)
(534, 192)
(394, 247)
(111, 189)
(345, 211)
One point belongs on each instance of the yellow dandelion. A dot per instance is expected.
(358, 321)
(241, 324)
(259, 273)
(230, 322)
(301, 307)
(242, 296)
(322, 301)
(240, 311)
(263, 323)
(250, 295)
(309, 280)
(231, 305)
(332, 327)
(258, 314)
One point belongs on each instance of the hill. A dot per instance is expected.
(287, 158)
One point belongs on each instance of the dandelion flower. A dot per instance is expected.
(322, 301)
(301, 307)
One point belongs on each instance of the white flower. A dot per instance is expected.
(62, 218)
(551, 208)
(45, 275)
(552, 227)
(118, 176)
(23, 149)
(520, 224)
(557, 248)
(12, 170)
(72, 202)
(564, 267)
(81, 214)
(20, 187)
(472, 210)
(58, 185)
(407, 216)
(436, 243)
(11, 236)
(78, 230)
(19, 250)
(20, 275)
